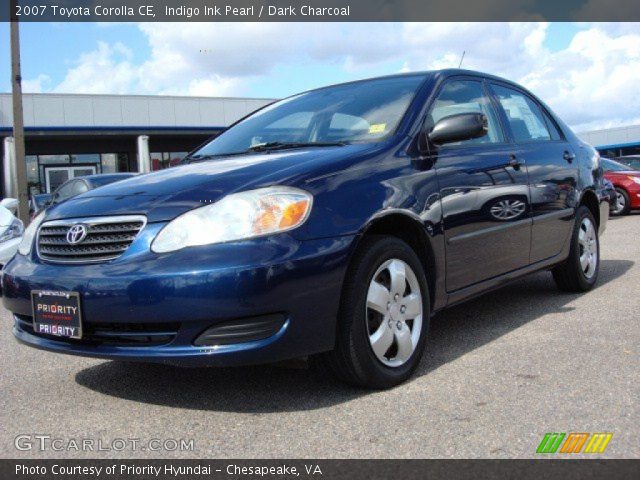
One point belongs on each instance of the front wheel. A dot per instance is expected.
(622, 205)
(383, 319)
(579, 272)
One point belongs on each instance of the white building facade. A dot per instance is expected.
(67, 135)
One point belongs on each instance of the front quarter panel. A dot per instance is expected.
(352, 200)
(591, 178)
(347, 200)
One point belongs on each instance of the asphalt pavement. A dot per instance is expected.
(499, 372)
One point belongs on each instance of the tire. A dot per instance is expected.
(364, 319)
(573, 275)
(624, 203)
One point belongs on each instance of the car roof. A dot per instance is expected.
(446, 72)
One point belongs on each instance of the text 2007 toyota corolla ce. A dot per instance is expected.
(332, 224)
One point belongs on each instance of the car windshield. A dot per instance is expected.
(364, 111)
(633, 162)
(613, 166)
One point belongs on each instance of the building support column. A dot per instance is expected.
(144, 159)
(10, 179)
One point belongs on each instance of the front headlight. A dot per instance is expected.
(13, 231)
(29, 234)
(634, 179)
(237, 216)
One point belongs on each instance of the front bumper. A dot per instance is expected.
(192, 290)
(634, 195)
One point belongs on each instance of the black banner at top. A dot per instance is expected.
(317, 10)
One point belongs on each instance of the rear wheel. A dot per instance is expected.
(622, 205)
(383, 319)
(579, 272)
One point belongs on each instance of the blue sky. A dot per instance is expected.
(555, 60)
(52, 48)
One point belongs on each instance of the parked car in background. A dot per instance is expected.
(78, 185)
(11, 230)
(632, 161)
(331, 225)
(610, 191)
(37, 203)
(627, 184)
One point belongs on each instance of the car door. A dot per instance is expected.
(552, 167)
(483, 192)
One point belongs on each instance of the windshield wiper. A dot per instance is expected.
(208, 156)
(260, 147)
(263, 147)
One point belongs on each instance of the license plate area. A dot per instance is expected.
(56, 313)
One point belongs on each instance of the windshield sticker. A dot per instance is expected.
(377, 128)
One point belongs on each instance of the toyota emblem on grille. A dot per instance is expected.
(76, 234)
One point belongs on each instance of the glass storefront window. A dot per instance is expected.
(176, 158)
(109, 162)
(48, 159)
(157, 160)
(38, 166)
(162, 160)
(85, 158)
(33, 176)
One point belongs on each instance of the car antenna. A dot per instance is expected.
(462, 58)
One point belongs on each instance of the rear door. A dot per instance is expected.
(483, 191)
(552, 167)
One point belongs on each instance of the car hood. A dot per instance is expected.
(631, 173)
(165, 194)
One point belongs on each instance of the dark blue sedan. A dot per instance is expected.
(331, 225)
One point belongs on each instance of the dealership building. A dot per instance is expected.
(614, 142)
(69, 135)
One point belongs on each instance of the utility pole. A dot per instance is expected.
(18, 120)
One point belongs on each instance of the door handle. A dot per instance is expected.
(568, 156)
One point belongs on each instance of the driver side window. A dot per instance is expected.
(466, 96)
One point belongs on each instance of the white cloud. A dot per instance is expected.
(594, 81)
(107, 69)
(36, 85)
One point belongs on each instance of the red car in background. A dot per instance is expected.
(626, 181)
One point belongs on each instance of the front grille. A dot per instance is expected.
(106, 239)
(113, 333)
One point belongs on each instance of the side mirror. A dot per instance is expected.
(459, 127)
(10, 204)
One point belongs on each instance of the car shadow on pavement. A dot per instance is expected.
(291, 386)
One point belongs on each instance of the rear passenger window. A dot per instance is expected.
(551, 125)
(466, 96)
(524, 115)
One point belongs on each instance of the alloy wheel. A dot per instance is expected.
(620, 203)
(588, 243)
(394, 312)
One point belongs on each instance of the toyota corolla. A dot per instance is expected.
(330, 225)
